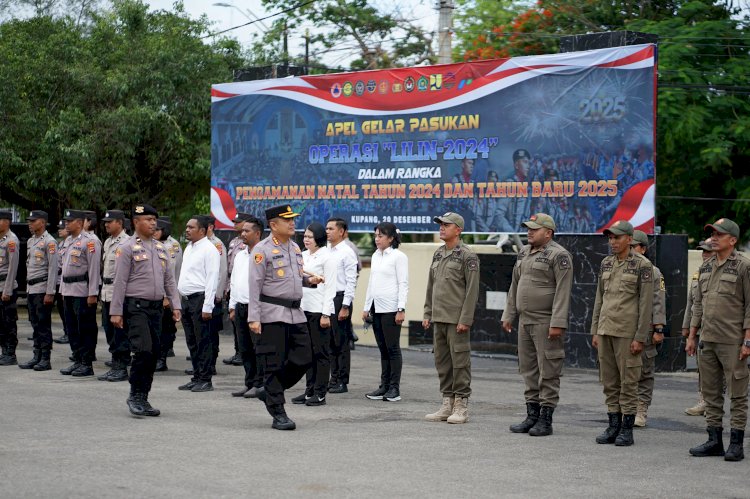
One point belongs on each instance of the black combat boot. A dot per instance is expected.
(148, 410)
(735, 452)
(83, 371)
(9, 357)
(610, 434)
(135, 404)
(532, 416)
(714, 446)
(280, 420)
(543, 426)
(625, 438)
(69, 370)
(161, 365)
(119, 371)
(34, 361)
(44, 364)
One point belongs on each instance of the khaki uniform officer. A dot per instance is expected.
(655, 337)
(80, 289)
(620, 325)
(707, 251)
(143, 278)
(540, 296)
(41, 278)
(168, 326)
(9, 248)
(276, 279)
(721, 308)
(117, 338)
(452, 291)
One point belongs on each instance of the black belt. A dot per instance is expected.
(36, 280)
(108, 280)
(195, 295)
(339, 293)
(280, 301)
(76, 278)
(145, 303)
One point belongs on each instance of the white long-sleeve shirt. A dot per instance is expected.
(239, 285)
(389, 281)
(320, 299)
(200, 272)
(347, 271)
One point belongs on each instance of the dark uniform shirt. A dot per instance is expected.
(41, 262)
(9, 248)
(142, 271)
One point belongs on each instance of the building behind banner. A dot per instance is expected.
(569, 134)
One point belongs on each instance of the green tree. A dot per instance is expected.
(111, 114)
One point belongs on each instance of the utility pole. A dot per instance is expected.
(445, 30)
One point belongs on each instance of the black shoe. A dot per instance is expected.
(340, 388)
(44, 364)
(241, 392)
(148, 410)
(237, 360)
(67, 371)
(532, 416)
(252, 393)
(610, 434)
(135, 404)
(315, 400)
(543, 426)
(8, 360)
(62, 340)
(202, 386)
(187, 386)
(282, 422)
(108, 363)
(300, 399)
(161, 365)
(229, 360)
(625, 438)
(170, 352)
(714, 446)
(105, 376)
(83, 370)
(377, 394)
(34, 361)
(189, 371)
(735, 452)
(117, 375)
(392, 395)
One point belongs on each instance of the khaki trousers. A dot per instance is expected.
(452, 360)
(646, 382)
(619, 372)
(721, 363)
(540, 362)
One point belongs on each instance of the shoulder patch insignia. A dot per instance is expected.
(12, 247)
(646, 275)
(51, 248)
(472, 264)
(564, 262)
(91, 246)
(258, 258)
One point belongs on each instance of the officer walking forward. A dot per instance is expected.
(619, 326)
(276, 279)
(540, 297)
(143, 278)
(9, 248)
(721, 308)
(452, 291)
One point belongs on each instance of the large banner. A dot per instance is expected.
(571, 135)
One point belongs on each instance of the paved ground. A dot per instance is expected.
(66, 437)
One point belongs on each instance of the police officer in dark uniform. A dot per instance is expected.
(274, 313)
(168, 327)
(9, 248)
(62, 233)
(41, 278)
(143, 278)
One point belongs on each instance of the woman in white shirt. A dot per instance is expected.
(386, 303)
(317, 303)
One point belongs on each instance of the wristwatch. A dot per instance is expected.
(401, 310)
(746, 343)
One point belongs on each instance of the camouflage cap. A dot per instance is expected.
(619, 228)
(540, 220)
(450, 218)
(639, 237)
(705, 245)
(724, 226)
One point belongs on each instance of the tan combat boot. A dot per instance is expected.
(641, 415)
(698, 409)
(460, 411)
(444, 412)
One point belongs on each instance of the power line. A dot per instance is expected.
(290, 9)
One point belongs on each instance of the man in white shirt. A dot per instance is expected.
(345, 287)
(199, 277)
(239, 296)
(217, 322)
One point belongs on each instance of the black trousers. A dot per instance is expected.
(234, 329)
(217, 325)
(168, 332)
(285, 354)
(40, 316)
(320, 370)
(246, 341)
(341, 354)
(82, 328)
(387, 336)
(60, 304)
(143, 325)
(117, 338)
(8, 323)
(198, 336)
